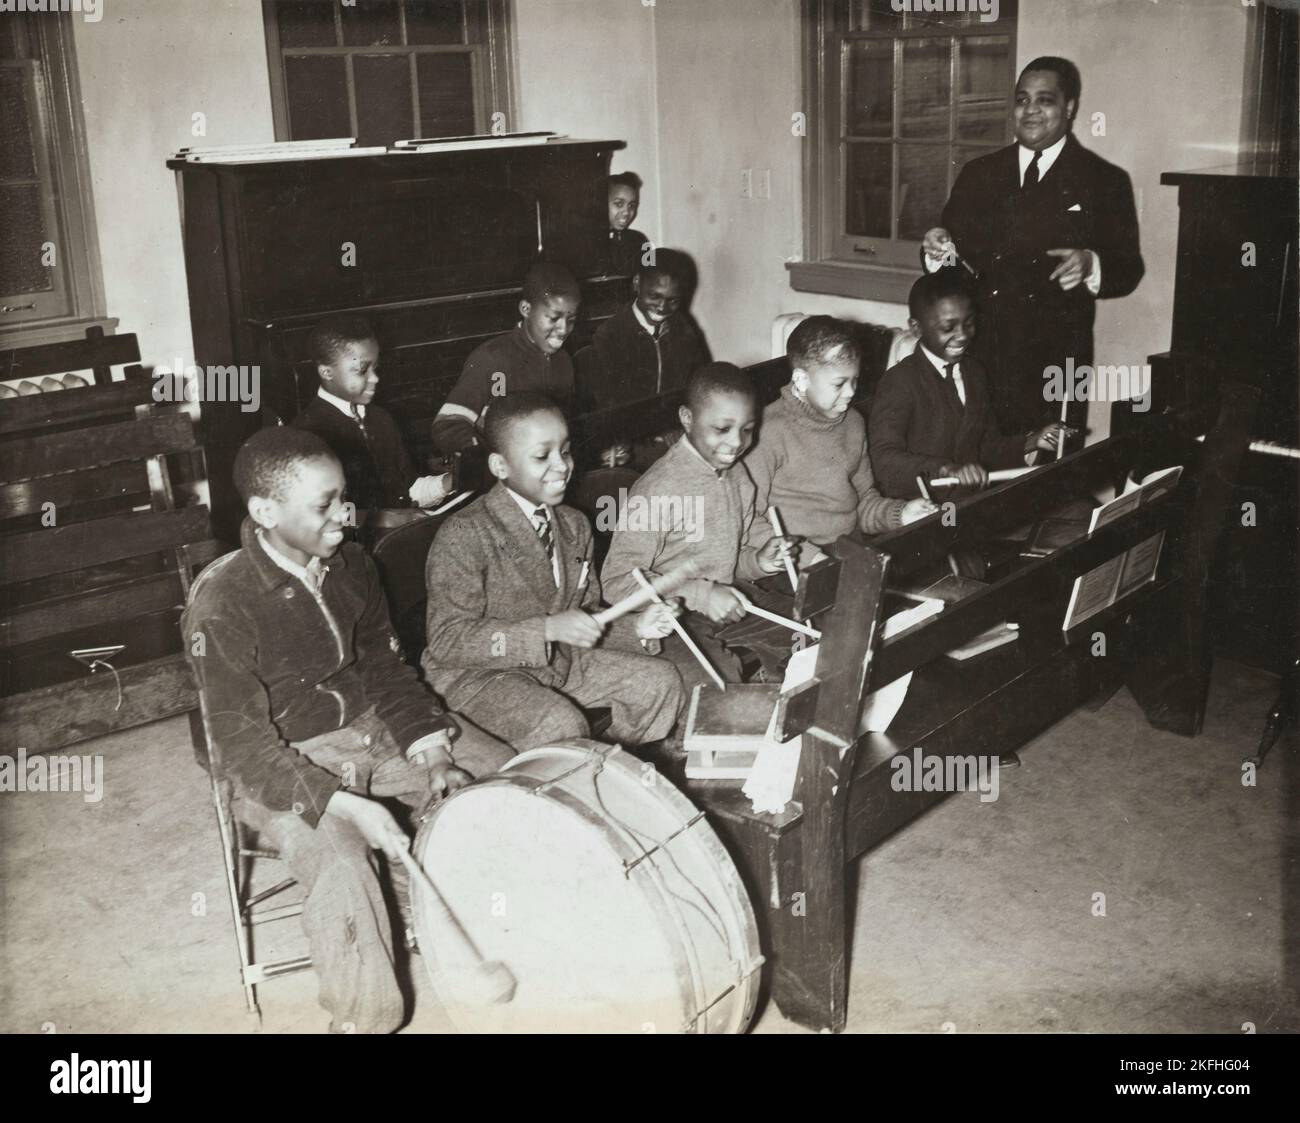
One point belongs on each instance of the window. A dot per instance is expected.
(387, 70)
(50, 284)
(900, 101)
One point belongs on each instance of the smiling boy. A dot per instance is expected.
(313, 717)
(649, 347)
(531, 358)
(933, 413)
(702, 474)
(512, 590)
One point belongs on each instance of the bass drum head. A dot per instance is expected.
(610, 903)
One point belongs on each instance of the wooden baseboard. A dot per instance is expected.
(49, 719)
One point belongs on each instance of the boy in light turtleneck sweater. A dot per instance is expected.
(811, 461)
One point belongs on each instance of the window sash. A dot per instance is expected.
(829, 238)
(487, 35)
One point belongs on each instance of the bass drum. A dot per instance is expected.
(601, 889)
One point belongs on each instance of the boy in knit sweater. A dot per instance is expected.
(811, 460)
(696, 504)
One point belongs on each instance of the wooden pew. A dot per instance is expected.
(1154, 642)
(95, 553)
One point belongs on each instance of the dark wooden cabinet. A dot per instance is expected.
(432, 247)
(1235, 317)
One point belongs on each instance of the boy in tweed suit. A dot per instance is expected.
(512, 643)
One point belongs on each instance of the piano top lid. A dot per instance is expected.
(1221, 173)
(389, 156)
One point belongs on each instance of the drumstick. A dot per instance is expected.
(1060, 433)
(794, 625)
(682, 634)
(775, 520)
(996, 477)
(640, 598)
(492, 980)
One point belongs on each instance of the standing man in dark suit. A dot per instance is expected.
(1047, 228)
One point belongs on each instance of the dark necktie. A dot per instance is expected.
(356, 416)
(1031, 173)
(542, 524)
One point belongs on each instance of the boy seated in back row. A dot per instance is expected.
(649, 347)
(698, 506)
(362, 435)
(531, 358)
(811, 460)
(933, 414)
(626, 246)
(512, 590)
(645, 350)
(314, 717)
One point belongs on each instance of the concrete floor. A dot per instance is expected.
(978, 917)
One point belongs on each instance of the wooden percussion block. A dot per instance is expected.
(724, 731)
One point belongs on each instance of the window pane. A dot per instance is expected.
(922, 188)
(17, 157)
(316, 87)
(984, 67)
(926, 88)
(446, 95)
(870, 89)
(963, 156)
(435, 22)
(306, 24)
(876, 15)
(383, 86)
(868, 174)
(21, 269)
(372, 23)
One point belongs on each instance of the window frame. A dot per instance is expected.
(491, 64)
(63, 166)
(834, 261)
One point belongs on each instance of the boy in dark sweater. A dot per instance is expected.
(313, 716)
(811, 460)
(364, 437)
(696, 505)
(627, 247)
(933, 414)
(512, 590)
(649, 347)
(531, 358)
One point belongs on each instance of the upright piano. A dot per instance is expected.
(431, 246)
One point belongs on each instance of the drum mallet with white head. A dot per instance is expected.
(490, 980)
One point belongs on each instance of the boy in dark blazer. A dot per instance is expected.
(512, 588)
(362, 435)
(932, 414)
(1048, 228)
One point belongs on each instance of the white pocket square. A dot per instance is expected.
(1076, 207)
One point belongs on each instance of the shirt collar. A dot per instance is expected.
(646, 325)
(1045, 161)
(312, 574)
(719, 472)
(342, 404)
(528, 507)
(936, 362)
